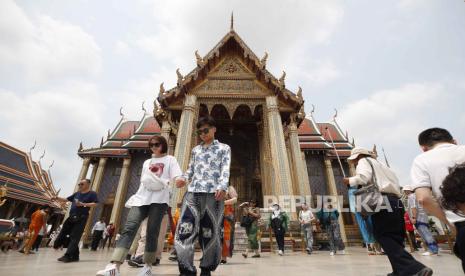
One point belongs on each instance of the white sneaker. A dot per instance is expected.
(145, 271)
(110, 270)
(280, 252)
(427, 253)
(331, 253)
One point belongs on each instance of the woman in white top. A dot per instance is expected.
(151, 202)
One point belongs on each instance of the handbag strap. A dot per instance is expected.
(374, 180)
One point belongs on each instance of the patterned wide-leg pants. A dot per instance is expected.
(202, 217)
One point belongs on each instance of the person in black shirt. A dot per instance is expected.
(74, 225)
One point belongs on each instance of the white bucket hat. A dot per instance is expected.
(357, 151)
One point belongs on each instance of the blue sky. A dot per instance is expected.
(391, 68)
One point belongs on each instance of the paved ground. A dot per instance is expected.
(355, 262)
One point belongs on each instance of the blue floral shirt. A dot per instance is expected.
(208, 169)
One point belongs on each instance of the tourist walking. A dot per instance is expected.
(249, 220)
(429, 169)
(203, 205)
(229, 222)
(420, 219)
(365, 225)
(151, 202)
(73, 227)
(97, 234)
(388, 224)
(306, 220)
(279, 222)
(328, 217)
(109, 232)
(38, 223)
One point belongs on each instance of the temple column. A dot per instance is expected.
(166, 130)
(83, 172)
(11, 208)
(171, 142)
(184, 141)
(302, 181)
(120, 196)
(331, 182)
(351, 168)
(279, 158)
(26, 209)
(96, 188)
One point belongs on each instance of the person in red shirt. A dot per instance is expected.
(410, 230)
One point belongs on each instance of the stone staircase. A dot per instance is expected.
(294, 240)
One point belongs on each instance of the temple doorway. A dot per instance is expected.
(241, 133)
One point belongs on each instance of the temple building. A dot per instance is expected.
(277, 149)
(28, 186)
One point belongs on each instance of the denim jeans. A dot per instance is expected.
(154, 214)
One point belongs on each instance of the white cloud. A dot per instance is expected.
(279, 29)
(392, 119)
(319, 73)
(58, 118)
(391, 116)
(44, 48)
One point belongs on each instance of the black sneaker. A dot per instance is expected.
(67, 259)
(223, 262)
(173, 258)
(157, 262)
(136, 262)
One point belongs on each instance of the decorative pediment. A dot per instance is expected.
(231, 68)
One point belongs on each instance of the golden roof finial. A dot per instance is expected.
(232, 21)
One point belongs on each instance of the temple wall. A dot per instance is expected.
(134, 179)
(108, 186)
(316, 174)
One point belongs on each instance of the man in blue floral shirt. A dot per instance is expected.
(203, 205)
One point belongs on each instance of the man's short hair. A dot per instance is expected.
(207, 120)
(87, 180)
(432, 136)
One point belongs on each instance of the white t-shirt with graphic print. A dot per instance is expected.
(166, 168)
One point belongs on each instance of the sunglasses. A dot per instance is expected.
(203, 131)
(154, 145)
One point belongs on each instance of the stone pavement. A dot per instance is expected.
(355, 262)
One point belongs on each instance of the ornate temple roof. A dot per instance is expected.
(125, 136)
(25, 179)
(320, 136)
(129, 135)
(231, 42)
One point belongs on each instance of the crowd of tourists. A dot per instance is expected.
(207, 213)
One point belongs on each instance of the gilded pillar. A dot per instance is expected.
(331, 182)
(184, 141)
(120, 196)
(166, 130)
(96, 188)
(351, 169)
(280, 160)
(302, 182)
(83, 172)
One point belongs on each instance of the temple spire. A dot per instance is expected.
(232, 21)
